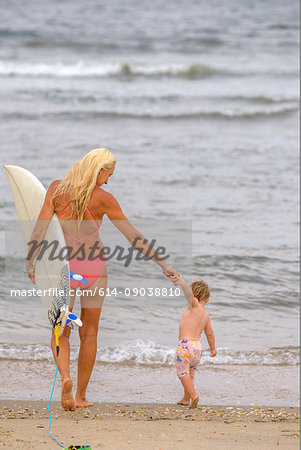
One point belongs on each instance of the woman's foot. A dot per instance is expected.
(194, 403)
(184, 402)
(82, 402)
(67, 398)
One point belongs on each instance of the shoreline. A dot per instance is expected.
(148, 425)
(226, 385)
(38, 408)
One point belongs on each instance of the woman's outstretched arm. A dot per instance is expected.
(135, 238)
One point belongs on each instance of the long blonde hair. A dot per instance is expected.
(80, 182)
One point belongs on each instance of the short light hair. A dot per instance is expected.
(200, 290)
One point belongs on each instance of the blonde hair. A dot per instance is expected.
(200, 290)
(80, 181)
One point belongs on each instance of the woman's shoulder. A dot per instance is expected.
(104, 196)
(106, 202)
(53, 185)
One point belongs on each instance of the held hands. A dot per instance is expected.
(170, 272)
(177, 279)
(213, 353)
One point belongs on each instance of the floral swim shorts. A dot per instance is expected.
(188, 357)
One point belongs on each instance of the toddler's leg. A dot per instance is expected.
(189, 389)
(195, 352)
(182, 366)
(192, 371)
(185, 400)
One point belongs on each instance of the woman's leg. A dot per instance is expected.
(67, 398)
(87, 352)
(90, 314)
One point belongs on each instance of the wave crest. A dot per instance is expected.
(149, 353)
(123, 69)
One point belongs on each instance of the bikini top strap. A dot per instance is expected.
(67, 207)
(87, 209)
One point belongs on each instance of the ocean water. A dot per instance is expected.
(199, 103)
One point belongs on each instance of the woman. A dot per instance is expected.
(80, 204)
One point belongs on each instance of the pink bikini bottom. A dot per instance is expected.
(89, 269)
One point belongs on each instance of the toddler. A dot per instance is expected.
(195, 319)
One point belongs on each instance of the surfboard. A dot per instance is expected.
(52, 275)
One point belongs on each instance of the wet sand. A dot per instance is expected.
(24, 424)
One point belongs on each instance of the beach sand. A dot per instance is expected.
(24, 424)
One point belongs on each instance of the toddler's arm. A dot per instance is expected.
(210, 338)
(179, 281)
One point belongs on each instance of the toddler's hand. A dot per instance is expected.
(176, 279)
(213, 353)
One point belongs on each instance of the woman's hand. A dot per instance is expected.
(30, 270)
(170, 272)
(213, 353)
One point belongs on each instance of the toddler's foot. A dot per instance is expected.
(183, 402)
(67, 398)
(194, 403)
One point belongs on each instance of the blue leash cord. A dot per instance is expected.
(50, 418)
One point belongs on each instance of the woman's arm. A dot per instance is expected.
(40, 229)
(135, 238)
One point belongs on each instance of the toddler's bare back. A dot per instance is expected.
(193, 322)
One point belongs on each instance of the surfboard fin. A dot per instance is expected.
(72, 318)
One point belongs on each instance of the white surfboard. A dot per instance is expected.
(52, 276)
